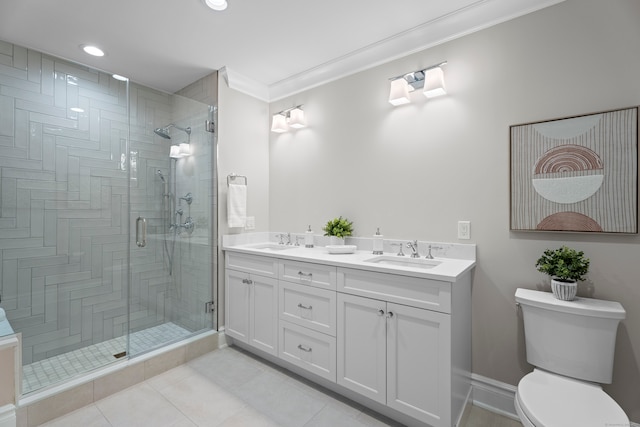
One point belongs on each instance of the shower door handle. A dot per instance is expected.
(141, 232)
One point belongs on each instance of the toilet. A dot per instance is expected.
(571, 345)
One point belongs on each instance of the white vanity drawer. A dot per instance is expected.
(263, 265)
(307, 306)
(412, 291)
(306, 273)
(308, 349)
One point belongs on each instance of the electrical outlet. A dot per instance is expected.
(251, 223)
(464, 230)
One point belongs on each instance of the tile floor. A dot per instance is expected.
(231, 388)
(59, 368)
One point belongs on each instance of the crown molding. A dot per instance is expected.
(245, 84)
(477, 16)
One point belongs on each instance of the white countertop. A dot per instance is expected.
(449, 269)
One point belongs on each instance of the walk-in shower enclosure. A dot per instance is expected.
(80, 168)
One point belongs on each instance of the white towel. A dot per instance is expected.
(237, 205)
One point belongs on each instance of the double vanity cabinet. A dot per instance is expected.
(390, 338)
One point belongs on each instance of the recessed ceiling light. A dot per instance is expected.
(119, 77)
(216, 4)
(92, 50)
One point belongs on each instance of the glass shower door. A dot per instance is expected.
(172, 195)
(64, 206)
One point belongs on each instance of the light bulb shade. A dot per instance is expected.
(175, 152)
(434, 83)
(279, 123)
(399, 93)
(185, 149)
(216, 4)
(296, 118)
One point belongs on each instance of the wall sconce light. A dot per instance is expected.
(279, 123)
(434, 83)
(430, 79)
(399, 93)
(180, 151)
(175, 152)
(185, 149)
(216, 4)
(296, 118)
(291, 117)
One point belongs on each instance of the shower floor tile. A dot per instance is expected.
(59, 368)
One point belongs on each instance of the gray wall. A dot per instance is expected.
(243, 149)
(415, 170)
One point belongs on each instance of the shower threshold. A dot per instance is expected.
(63, 367)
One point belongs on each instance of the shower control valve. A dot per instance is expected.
(189, 225)
(187, 198)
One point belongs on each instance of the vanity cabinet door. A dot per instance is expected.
(419, 363)
(251, 314)
(237, 305)
(361, 346)
(263, 314)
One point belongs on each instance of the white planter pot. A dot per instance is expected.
(565, 291)
(334, 241)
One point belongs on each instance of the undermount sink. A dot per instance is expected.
(272, 246)
(404, 262)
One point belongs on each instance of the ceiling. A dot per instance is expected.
(268, 48)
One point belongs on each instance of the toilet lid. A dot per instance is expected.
(550, 400)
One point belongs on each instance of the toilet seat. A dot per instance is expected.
(550, 400)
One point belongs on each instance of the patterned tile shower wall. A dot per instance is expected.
(64, 213)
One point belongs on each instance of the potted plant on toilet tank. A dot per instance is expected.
(337, 229)
(565, 266)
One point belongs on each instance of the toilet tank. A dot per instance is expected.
(572, 338)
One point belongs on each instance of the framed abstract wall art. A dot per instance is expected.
(577, 174)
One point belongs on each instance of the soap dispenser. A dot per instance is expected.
(308, 238)
(378, 243)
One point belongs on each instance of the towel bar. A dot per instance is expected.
(233, 176)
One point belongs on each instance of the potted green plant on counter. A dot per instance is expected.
(566, 266)
(337, 229)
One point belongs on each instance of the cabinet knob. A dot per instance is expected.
(303, 348)
(301, 274)
(390, 315)
(380, 312)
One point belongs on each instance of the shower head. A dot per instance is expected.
(159, 173)
(164, 132)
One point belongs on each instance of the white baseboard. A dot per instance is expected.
(8, 416)
(494, 396)
(498, 397)
(222, 338)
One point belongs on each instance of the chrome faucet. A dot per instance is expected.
(282, 236)
(400, 253)
(429, 256)
(414, 249)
